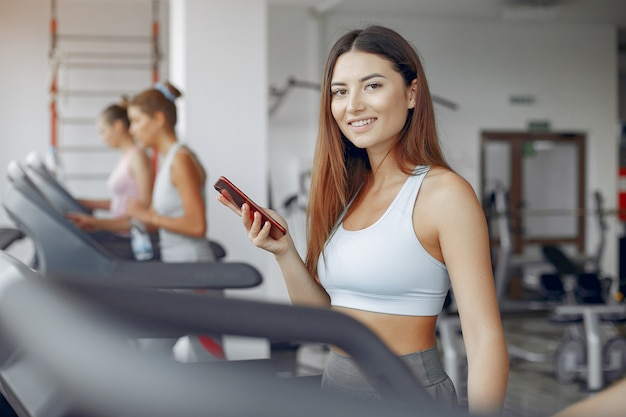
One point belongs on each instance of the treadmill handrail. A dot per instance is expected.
(8, 236)
(103, 366)
(50, 186)
(163, 275)
(208, 314)
(101, 265)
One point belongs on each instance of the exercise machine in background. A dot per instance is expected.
(572, 292)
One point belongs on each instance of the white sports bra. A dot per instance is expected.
(384, 268)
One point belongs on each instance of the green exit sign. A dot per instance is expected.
(539, 126)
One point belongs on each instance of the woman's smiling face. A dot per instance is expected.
(370, 100)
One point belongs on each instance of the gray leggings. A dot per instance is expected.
(342, 374)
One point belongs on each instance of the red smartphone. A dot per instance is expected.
(237, 197)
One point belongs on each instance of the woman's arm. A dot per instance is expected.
(91, 223)
(464, 243)
(95, 204)
(607, 403)
(188, 178)
(141, 171)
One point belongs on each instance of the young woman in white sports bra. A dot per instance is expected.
(391, 227)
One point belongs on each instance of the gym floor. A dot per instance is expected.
(533, 390)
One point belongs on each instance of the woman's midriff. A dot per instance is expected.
(402, 334)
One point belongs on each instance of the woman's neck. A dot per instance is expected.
(165, 142)
(127, 143)
(383, 165)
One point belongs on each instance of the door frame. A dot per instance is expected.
(517, 139)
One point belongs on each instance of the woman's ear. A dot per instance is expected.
(118, 126)
(159, 118)
(413, 94)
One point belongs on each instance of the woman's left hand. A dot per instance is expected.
(138, 211)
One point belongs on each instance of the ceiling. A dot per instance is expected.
(573, 11)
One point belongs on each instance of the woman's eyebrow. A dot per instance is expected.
(367, 77)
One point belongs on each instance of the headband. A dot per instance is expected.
(162, 88)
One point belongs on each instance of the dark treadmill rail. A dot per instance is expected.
(103, 375)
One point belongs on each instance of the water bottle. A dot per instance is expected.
(140, 241)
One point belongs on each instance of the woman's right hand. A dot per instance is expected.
(258, 233)
(82, 221)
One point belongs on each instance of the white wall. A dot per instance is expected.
(293, 123)
(24, 122)
(220, 63)
(24, 45)
(111, 57)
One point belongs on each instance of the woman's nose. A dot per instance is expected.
(355, 102)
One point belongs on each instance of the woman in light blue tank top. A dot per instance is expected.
(178, 209)
(391, 227)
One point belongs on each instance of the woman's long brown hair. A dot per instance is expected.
(339, 168)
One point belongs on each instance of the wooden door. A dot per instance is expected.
(544, 175)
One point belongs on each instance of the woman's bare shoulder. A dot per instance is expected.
(444, 182)
(446, 194)
(140, 156)
(187, 163)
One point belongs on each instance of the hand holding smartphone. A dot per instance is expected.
(237, 197)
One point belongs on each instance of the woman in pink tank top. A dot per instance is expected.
(131, 178)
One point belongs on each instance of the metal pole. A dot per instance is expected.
(155, 64)
(53, 85)
(155, 41)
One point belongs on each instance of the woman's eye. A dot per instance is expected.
(373, 86)
(339, 93)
